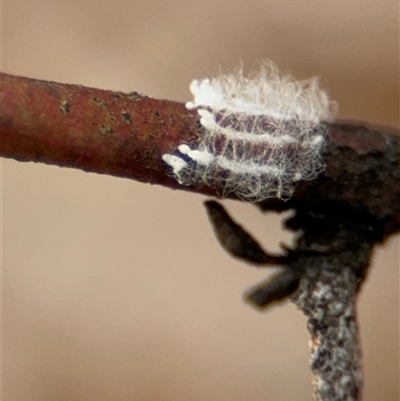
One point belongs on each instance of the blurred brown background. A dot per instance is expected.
(115, 290)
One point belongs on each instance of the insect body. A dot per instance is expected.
(262, 134)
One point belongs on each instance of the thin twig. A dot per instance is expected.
(327, 295)
(125, 135)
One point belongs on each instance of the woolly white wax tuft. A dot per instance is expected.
(262, 133)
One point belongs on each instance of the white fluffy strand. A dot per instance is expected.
(263, 133)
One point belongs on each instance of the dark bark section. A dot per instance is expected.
(237, 241)
(362, 172)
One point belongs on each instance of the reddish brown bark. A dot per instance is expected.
(91, 129)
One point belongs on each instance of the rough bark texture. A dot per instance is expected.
(327, 295)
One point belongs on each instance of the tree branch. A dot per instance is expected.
(125, 135)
